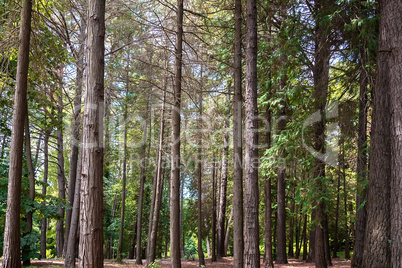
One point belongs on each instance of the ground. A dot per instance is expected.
(224, 262)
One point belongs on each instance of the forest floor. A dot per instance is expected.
(224, 262)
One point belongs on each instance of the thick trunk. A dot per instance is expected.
(91, 210)
(392, 21)
(11, 246)
(138, 259)
(251, 203)
(60, 176)
(238, 239)
(175, 170)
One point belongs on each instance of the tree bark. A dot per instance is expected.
(238, 239)
(251, 204)
(60, 174)
(11, 245)
(227, 235)
(175, 170)
(337, 216)
(75, 141)
(213, 257)
(43, 230)
(91, 211)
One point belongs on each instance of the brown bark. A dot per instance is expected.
(91, 210)
(238, 239)
(75, 133)
(138, 259)
(345, 200)
(43, 239)
(390, 35)
(227, 235)
(305, 238)
(213, 257)
(175, 170)
(11, 246)
(337, 216)
(251, 203)
(60, 175)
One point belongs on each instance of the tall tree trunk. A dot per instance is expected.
(175, 170)
(31, 175)
(251, 204)
(227, 235)
(71, 248)
(158, 187)
(75, 133)
(291, 225)
(91, 211)
(268, 256)
(123, 198)
(337, 215)
(138, 259)
(11, 245)
(60, 174)
(43, 239)
(213, 257)
(238, 239)
(201, 260)
(311, 249)
(392, 21)
(305, 238)
(223, 195)
(345, 200)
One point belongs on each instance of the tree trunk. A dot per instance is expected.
(251, 204)
(223, 195)
(60, 174)
(392, 21)
(123, 198)
(138, 259)
(11, 245)
(311, 249)
(291, 226)
(175, 170)
(43, 239)
(345, 196)
(27, 248)
(91, 211)
(75, 141)
(201, 260)
(238, 239)
(305, 238)
(337, 216)
(213, 257)
(227, 235)
(71, 248)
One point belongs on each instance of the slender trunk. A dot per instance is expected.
(311, 250)
(213, 257)
(345, 200)
(158, 188)
(11, 245)
(28, 230)
(91, 210)
(75, 134)
(251, 203)
(227, 235)
(123, 198)
(71, 249)
(223, 195)
(175, 170)
(201, 260)
(238, 239)
(141, 193)
(305, 238)
(268, 256)
(43, 239)
(291, 226)
(60, 176)
(208, 247)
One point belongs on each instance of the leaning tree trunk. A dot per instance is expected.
(75, 133)
(60, 175)
(175, 153)
(11, 245)
(251, 204)
(238, 240)
(91, 210)
(391, 21)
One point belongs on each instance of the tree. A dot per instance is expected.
(91, 211)
(11, 246)
(251, 203)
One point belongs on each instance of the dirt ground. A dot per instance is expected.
(224, 262)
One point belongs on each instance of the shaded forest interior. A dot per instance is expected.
(200, 133)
